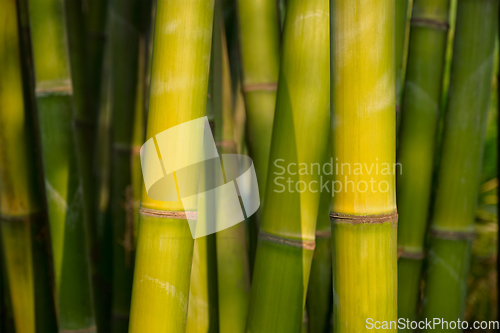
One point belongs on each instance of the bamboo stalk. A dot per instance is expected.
(319, 300)
(179, 81)
(96, 36)
(84, 116)
(124, 39)
(459, 171)
(104, 223)
(286, 238)
(319, 292)
(64, 194)
(259, 30)
(82, 57)
(7, 320)
(203, 313)
(45, 312)
(363, 124)
(203, 308)
(259, 40)
(419, 125)
(401, 45)
(22, 218)
(232, 256)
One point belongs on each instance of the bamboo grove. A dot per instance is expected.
(371, 127)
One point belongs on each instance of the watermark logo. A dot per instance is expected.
(334, 177)
(216, 191)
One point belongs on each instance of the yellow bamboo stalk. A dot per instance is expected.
(179, 81)
(363, 214)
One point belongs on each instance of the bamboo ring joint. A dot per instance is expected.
(124, 148)
(22, 218)
(180, 215)
(81, 330)
(452, 235)
(323, 234)
(441, 25)
(364, 219)
(303, 244)
(410, 255)
(268, 86)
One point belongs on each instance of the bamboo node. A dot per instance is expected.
(303, 244)
(126, 149)
(226, 144)
(323, 233)
(22, 218)
(410, 255)
(180, 215)
(81, 330)
(364, 219)
(56, 87)
(423, 22)
(452, 235)
(267, 86)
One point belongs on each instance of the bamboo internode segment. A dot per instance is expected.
(304, 244)
(169, 214)
(360, 219)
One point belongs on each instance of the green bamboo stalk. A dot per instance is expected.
(124, 39)
(319, 292)
(85, 119)
(54, 93)
(96, 36)
(419, 125)
(232, 256)
(84, 116)
(181, 59)
(103, 281)
(22, 216)
(282, 11)
(7, 320)
(459, 171)
(259, 41)
(301, 127)
(259, 30)
(203, 308)
(363, 124)
(401, 37)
